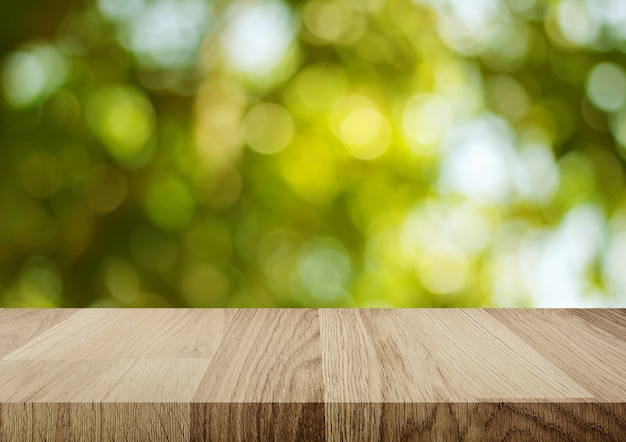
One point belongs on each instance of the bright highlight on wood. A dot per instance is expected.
(308, 374)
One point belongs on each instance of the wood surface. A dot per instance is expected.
(308, 374)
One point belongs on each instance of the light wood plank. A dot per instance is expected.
(129, 333)
(434, 356)
(595, 358)
(266, 374)
(308, 374)
(269, 355)
(18, 326)
(60, 381)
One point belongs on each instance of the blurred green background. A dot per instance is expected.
(356, 153)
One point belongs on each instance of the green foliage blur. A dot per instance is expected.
(321, 153)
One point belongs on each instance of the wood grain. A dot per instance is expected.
(593, 357)
(18, 326)
(308, 374)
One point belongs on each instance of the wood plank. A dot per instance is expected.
(277, 421)
(477, 422)
(270, 355)
(434, 356)
(595, 358)
(611, 321)
(266, 374)
(101, 334)
(312, 374)
(95, 422)
(18, 326)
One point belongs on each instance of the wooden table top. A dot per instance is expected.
(353, 370)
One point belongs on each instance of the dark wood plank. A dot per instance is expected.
(288, 422)
(476, 422)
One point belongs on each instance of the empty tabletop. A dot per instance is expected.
(312, 374)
